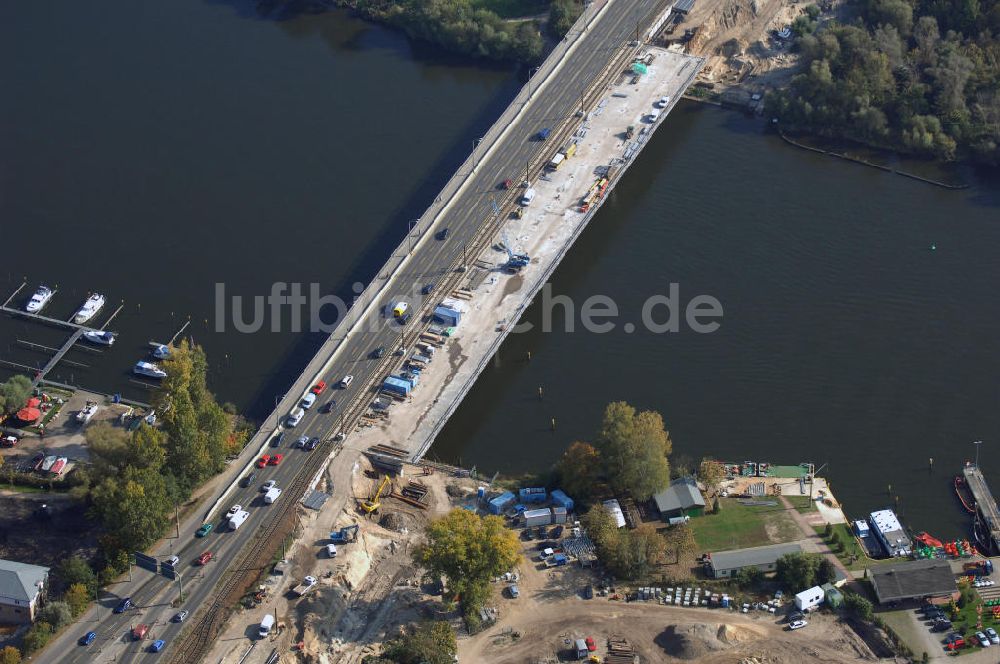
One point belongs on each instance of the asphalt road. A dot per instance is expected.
(471, 209)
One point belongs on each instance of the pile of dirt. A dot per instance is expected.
(696, 640)
(395, 521)
(737, 12)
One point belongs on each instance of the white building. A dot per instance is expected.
(21, 585)
(809, 599)
(890, 533)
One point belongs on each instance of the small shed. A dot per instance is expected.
(681, 498)
(581, 648)
(833, 597)
(809, 599)
(558, 515)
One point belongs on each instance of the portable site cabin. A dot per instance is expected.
(558, 515)
(533, 495)
(498, 504)
(542, 517)
(397, 386)
(581, 648)
(561, 499)
(809, 599)
(529, 195)
(447, 316)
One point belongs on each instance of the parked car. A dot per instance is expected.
(181, 616)
(123, 605)
(983, 640)
(663, 102)
(591, 644)
(263, 461)
(653, 116)
(797, 624)
(233, 510)
(204, 558)
(992, 634)
(941, 625)
(268, 485)
(513, 591)
(9, 441)
(588, 592)
(556, 532)
(88, 638)
(954, 641)
(275, 460)
(319, 387)
(308, 401)
(295, 416)
(157, 645)
(248, 480)
(205, 529)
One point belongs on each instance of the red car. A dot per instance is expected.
(263, 461)
(204, 558)
(319, 387)
(275, 460)
(591, 644)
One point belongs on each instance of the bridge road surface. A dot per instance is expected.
(557, 100)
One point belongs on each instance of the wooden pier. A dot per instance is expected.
(986, 504)
(58, 356)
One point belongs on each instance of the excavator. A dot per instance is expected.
(374, 502)
(515, 260)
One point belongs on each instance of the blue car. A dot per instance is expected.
(124, 605)
(157, 645)
(88, 638)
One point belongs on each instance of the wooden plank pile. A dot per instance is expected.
(620, 651)
(413, 494)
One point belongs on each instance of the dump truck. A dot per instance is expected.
(344, 535)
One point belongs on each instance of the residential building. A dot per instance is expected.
(21, 586)
(724, 564)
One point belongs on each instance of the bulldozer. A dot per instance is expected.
(373, 503)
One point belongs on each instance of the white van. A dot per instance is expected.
(529, 196)
(265, 625)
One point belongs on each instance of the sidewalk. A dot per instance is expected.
(812, 542)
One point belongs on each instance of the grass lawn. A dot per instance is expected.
(850, 551)
(513, 8)
(803, 504)
(737, 526)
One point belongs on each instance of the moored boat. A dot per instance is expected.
(39, 299)
(88, 412)
(965, 495)
(161, 351)
(104, 338)
(89, 309)
(927, 540)
(148, 369)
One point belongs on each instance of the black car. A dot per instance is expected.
(942, 625)
(248, 480)
(124, 605)
(404, 319)
(377, 353)
(540, 533)
(443, 234)
(588, 592)
(276, 441)
(313, 443)
(556, 532)
(541, 546)
(527, 534)
(328, 406)
(426, 290)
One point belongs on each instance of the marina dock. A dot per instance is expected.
(986, 505)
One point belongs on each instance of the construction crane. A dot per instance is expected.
(515, 261)
(370, 506)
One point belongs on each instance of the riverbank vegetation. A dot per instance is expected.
(917, 76)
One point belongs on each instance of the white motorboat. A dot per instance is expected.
(90, 307)
(148, 369)
(39, 299)
(99, 337)
(161, 351)
(88, 412)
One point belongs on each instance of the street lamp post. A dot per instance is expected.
(530, 73)
(475, 144)
(414, 222)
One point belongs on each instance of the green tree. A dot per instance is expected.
(57, 614)
(75, 570)
(859, 607)
(36, 637)
(10, 655)
(133, 508)
(578, 470)
(427, 643)
(747, 578)
(797, 571)
(600, 526)
(634, 447)
(562, 16)
(77, 597)
(716, 505)
(468, 551)
(711, 473)
(826, 571)
(14, 392)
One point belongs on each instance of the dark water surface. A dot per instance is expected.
(150, 150)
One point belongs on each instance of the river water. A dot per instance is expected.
(152, 150)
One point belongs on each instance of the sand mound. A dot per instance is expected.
(395, 521)
(696, 640)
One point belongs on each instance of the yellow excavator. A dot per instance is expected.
(374, 502)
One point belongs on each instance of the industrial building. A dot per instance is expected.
(890, 534)
(21, 585)
(682, 498)
(912, 579)
(724, 564)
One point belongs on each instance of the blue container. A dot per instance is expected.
(498, 504)
(562, 500)
(533, 495)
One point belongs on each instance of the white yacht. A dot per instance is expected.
(89, 309)
(161, 351)
(99, 337)
(39, 299)
(148, 369)
(88, 412)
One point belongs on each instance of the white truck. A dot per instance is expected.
(236, 520)
(305, 587)
(272, 495)
(265, 625)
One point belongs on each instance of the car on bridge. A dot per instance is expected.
(205, 529)
(157, 645)
(378, 353)
(87, 638)
(319, 387)
(426, 290)
(313, 443)
(233, 510)
(268, 485)
(443, 234)
(300, 442)
(295, 416)
(328, 406)
(308, 401)
(275, 460)
(204, 558)
(123, 605)
(346, 381)
(276, 441)
(181, 616)
(543, 134)
(263, 461)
